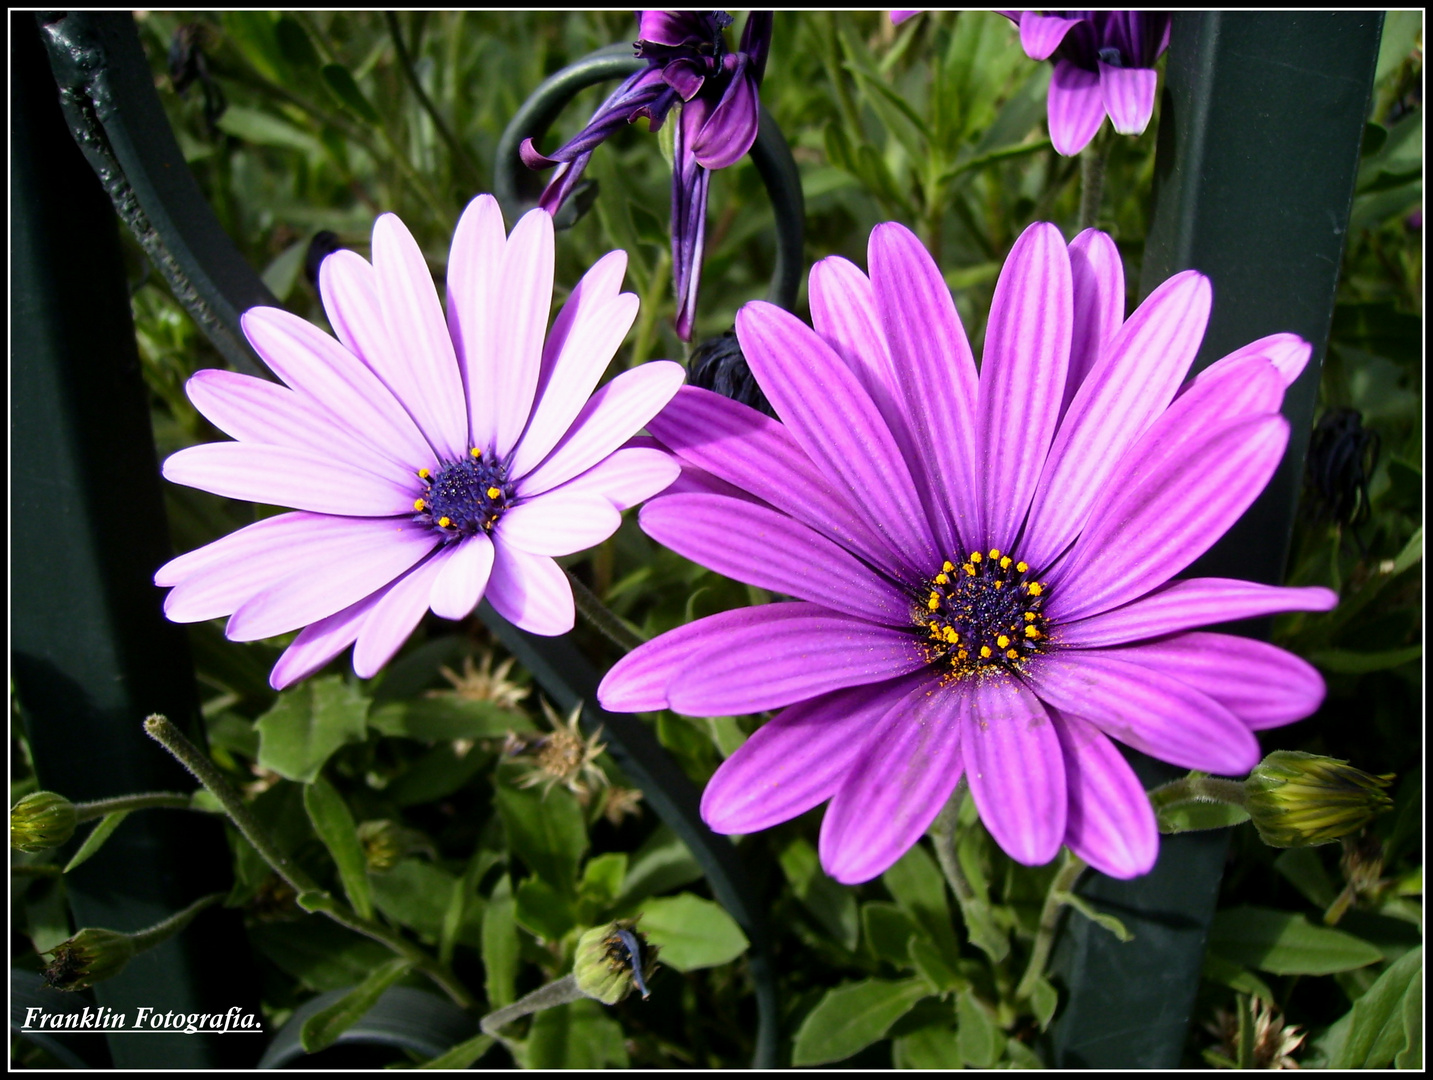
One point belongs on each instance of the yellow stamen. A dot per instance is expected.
(975, 556)
(476, 452)
(1034, 588)
(941, 579)
(445, 521)
(933, 603)
(985, 652)
(1030, 616)
(418, 504)
(423, 474)
(1003, 641)
(1022, 566)
(952, 635)
(995, 553)
(493, 492)
(1032, 632)
(999, 584)
(1005, 563)
(1012, 654)
(947, 566)
(968, 569)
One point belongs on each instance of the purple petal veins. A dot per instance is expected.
(982, 564)
(434, 458)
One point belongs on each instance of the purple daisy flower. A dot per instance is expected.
(690, 65)
(982, 563)
(1104, 65)
(430, 461)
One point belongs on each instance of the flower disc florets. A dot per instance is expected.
(984, 615)
(464, 497)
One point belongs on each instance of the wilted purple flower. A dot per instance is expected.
(690, 65)
(1104, 64)
(982, 564)
(431, 461)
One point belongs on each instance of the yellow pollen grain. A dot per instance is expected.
(1022, 566)
(985, 652)
(1030, 616)
(1005, 563)
(476, 452)
(1003, 641)
(1034, 588)
(952, 635)
(423, 474)
(995, 553)
(947, 566)
(1000, 584)
(1032, 632)
(975, 556)
(1012, 654)
(445, 521)
(418, 504)
(941, 579)
(969, 569)
(933, 603)
(493, 492)
(962, 655)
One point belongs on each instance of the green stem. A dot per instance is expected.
(560, 992)
(100, 807)
(459, 152)
(1092, 178)
(603, 619)
(1055, 900)
(980, 926)
(207, 773)
(1201, 789)
(161, 932)
(647, 320)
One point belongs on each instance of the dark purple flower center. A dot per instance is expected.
(704, 41)
(464, 497)
(982, 616)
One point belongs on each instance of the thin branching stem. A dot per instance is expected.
(171, 800)
(1055, 900)
(603, 619)
(559, 992)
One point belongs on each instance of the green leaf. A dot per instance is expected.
(1378, 1030)
(415, 893)
(888, 932)
(1230, 974)
(602, 878)
(692, 933)
(500, 946)
(916, 884)
(1044, 1000)
(439, 772)
(95, 840)
(934, 967)
(336, 828)
(833, 905)
(265, 129)
(323, 1028)
(662, 862)
(1193, 816)
(1349, 662)
(1400, 37)
(979, 1038)
(318, 952)
(576, 1036)
(548, 834)
(1284, 943)
(281, 274)
(852, 1017)
(435, 719)
(543, 910)
(307, 724)
(294, 43)
(462, 1056)
(1109, 922)
(345, 91)
(1304, 869)
(253, 34)
(931, 1047)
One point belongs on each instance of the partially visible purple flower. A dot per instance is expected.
(431, 460)
(898, 17)
(983, 562)
(690, 66)
(1104, 64)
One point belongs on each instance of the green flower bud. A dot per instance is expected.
(1298, 799)
(41, 820)
(91, 956)
(612, 959)
(385, 842)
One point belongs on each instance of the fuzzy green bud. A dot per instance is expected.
(41, 820)
(612, 959)
(385, 843)
(1298, 799)
(91, 956)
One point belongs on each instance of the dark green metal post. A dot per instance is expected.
(91, 651)
(1259, 137)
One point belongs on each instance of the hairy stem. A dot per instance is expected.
(603, 619)
(560, 992)
(1203, 789)
(161, 932)
(85, 811)
(1092, 178)
(1055, 900)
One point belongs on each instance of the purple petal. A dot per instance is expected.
(1173, 496)
(282, 476)
(531, 592)
(730, 130)
(839, 427)
(1128, 94)
(1129, 389)
(626, 477)
(898, 17)
(1041, 35)
(583, 340)
(685, 76)
(1289, 353)
(611, 416)
(1098, 279)
(1022, 377)
(432, 388)
(798, 759)
(756, 41)
(258, 411)
(1075, 107)
(358, 561)
(475, 261)
(799, 650)
(1262, 685)
(761, 547)
(1015, 768)
(1110, 824)
(843, 313)
(460, 584)
(320, 642)
(910, 763)
(524, 301)
(675, 27)
(395, 615)
(559, 523)
(690, 184)
(740, 446)
(217, 579)
(332, 379)
(1186, 604)
(935, 373)
(638, 682)
(1142, 707)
